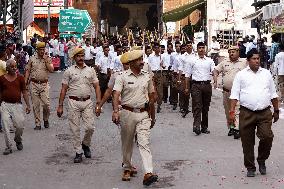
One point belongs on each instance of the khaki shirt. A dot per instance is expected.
(229, 70)
(37, 68)
(112, 79)
(80, 81)
(134, 89)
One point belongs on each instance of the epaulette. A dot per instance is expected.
(144, 71)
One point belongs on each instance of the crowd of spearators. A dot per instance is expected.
(138, 77)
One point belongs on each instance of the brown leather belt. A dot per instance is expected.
(79, 98)
(39, 81)
(226, 90)
(133, 109)
(201, 82)
(256, 111)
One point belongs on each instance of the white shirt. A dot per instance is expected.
(104, 63)
(88, 54)
(61, 49)
(215, 45)
(254, 90)
(155, 62)
(116, 64)
(250, 46)
(185, 61)
(200, 69)
(175, 61)
(279, 63)
(166, 59)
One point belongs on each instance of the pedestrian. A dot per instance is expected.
(279, 64)
(12, 87)
(89, 53)
(156, 64)
(274, 50)
(166, 58)
(77, 83)
(37, 70)
(62, 49)
(136, 89)
(229, 68)
(200, 70)
(2, 71)
(242, 48)
(254, 89)
(215, 50)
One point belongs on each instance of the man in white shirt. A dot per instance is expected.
(279, 64)
(166, 58)
(89, 53)
(200, 70)
(185, 62)
(215, 49)
(174, 62)
(254, 89)
(156, 65)
(103, 65)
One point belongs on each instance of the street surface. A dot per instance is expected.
(181, 159)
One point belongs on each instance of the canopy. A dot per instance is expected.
(181, 12)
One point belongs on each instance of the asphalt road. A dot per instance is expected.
(181, 159)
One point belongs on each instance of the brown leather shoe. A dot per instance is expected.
(126, 175)
(133, 171)
(149, 179)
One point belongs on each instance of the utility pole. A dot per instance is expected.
(66, 4)
(233, 27)
(48, 17)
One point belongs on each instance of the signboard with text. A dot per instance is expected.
(57, 3)
(68, 35)
(278, 24)
(74, 20)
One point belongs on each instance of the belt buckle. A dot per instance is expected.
(136, 110)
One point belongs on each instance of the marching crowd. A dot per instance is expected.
(138, 76)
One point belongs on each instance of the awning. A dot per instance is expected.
(272, 11)
(181, 12)
(263, 3)
(46, 15)
(253, 15)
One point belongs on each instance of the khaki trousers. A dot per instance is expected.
(174, 88)
(159, 84)
(227, 106)
(12, 114)
(183, 98)
(249, 121)
(76, 111)
(166, 81)
(40, 95)
(281, 85)
(139, 123)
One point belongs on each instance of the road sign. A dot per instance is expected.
(68, 35)
(74, 20)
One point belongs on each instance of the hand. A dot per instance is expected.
(232, 117)
(186, 91)
(28, 109)
(59, 111)
(215, 85)
(98, 111)
(115, 118)
(275, 116)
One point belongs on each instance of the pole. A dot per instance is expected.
(48, 17)
(65, 4)
(233, 28)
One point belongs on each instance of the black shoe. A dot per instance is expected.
(185, 113)
(205, 131)
(19, 145)
(231, 132)
(174, 106)
(262, 168)
(196, 130)
(78, 158)
(236, 134)
(46, 124)
(251, 173)
(87, 151)
(158, 109)
(7, 151)
(165, 100)
(37, 128)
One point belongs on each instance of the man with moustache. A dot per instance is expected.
(229, 68)
(136, 89)
(12, 87)
(78, 81)
(254, 89)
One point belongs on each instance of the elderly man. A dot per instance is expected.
(229, 68)
(37, 70)
(254, 89)
(135, 86)
(78, 81)
(12, 87)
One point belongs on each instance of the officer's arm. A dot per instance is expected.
(63, 94)
(215, 75)
(116, 95)
(27, 72)
(49, 65)
(152, 105)
(98, 92)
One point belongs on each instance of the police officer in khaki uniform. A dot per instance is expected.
(78, 81)
(136, 89)
(37, 70)
(229, 68)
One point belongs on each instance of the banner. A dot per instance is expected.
(278, 24)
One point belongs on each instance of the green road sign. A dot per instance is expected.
(74, 20)
(68, 35)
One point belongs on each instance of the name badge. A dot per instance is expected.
(130, 83)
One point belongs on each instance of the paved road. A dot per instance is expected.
(181, 159)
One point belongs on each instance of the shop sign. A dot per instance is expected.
(278, 24)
